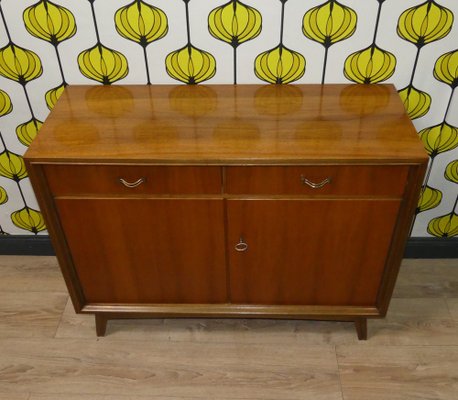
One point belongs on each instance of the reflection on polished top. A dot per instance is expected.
(223, 124)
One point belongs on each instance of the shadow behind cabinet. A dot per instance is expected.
(224, 201)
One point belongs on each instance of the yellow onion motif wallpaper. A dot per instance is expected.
(47, 45)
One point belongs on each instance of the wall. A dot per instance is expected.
(45, 45)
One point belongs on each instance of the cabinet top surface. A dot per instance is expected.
(228, 124)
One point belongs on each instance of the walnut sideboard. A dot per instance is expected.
(247, 201)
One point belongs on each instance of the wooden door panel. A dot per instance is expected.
(147, 250)
(317, 252)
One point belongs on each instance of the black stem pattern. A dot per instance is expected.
(235, 44)
(3, 141)
(235, 65)
(95, 22)
(22, 195)
(415, 66)
(325, 61)
(64, 82)
(146, 66)
(188, 29)
(282, 20)
(428, 172)
(455, 206)
(447, 109)
(28, 101)
(377, 21)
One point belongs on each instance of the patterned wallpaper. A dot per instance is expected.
(46, 45)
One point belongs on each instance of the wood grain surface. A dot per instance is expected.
(319, 252)
(19, 274)
(39, 309)
(251, 124)
(153, 250)
(342, 180)
(99, 179)
(205, 370)
(409, 373)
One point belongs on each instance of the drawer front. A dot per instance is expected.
(132, 180)
(345, 180)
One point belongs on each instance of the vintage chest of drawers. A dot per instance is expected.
(229, 201)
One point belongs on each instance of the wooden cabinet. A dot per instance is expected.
(229, 201)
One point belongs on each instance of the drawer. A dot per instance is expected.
(339, 180)
(132, 179)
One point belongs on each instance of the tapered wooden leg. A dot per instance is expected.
(100, 324)
(361, 328)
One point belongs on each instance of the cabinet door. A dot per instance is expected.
(316, 252)
(147, 250)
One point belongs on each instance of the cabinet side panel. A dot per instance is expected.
(147, 250)
(400, 235)
(47, 208)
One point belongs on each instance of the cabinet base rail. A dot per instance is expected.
(358, 315)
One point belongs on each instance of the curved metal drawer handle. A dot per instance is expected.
(138, 182)
(314, 185)
(241, 245)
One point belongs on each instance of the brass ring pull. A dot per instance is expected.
(241, 246)
(138, 182)
(314, 185)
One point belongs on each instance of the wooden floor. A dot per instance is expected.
(49, 353)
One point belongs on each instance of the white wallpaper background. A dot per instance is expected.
(410, 43)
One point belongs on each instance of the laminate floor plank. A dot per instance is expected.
(27, 273)
(61, 396)
(415, 322)
(174, 369)
(14, 396)
(30, 314)
(262, 331)
(64, 396)
(427, 278)
(452, 305)
(398, 372)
